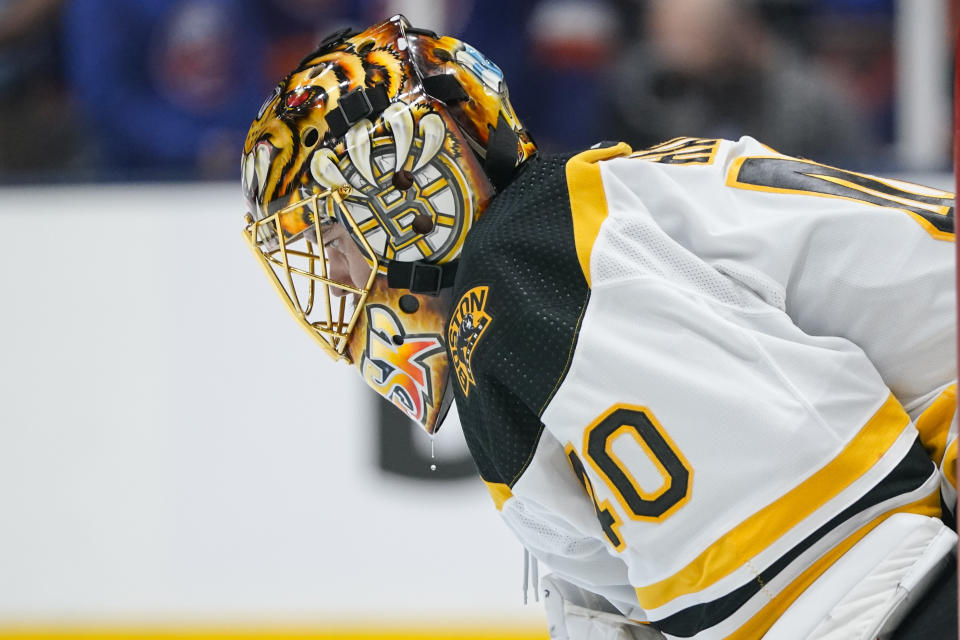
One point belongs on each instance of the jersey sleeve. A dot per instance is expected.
(845, 254)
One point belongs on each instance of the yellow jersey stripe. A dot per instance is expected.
(764, 619)
(766, 526)
(949, 467)
(499, 492)
(588, 203)
(934, 423)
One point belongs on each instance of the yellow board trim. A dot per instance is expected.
(934, 423)
(766, 617)
(588, 203)
(768, 525)
(107, 632)
(499, 492)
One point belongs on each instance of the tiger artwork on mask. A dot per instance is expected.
(363, 173)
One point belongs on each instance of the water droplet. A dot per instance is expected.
(433, 456)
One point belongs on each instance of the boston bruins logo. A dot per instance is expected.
(385, 214)
(467, 326)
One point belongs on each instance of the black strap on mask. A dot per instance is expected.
(445, 87)
(335, 38)
(422, 32)
(501, 161)
(421, 277)
(355, 106)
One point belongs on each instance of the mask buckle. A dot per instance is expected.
(355, 106)
(421, 277)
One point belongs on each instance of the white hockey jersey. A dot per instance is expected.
(693, 377)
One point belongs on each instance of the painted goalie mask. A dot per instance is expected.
(363, 174)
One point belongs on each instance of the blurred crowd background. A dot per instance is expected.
(106, 90)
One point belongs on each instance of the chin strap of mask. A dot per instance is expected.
(421, 277)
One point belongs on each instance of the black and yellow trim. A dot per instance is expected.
(499, 492)
(786, 175)
(764, 619)
(588, 201)
(771, 523)
(934, 423)
(949, 465)
(910, 474)
(638, 423)
(681, 151)
(610, 522)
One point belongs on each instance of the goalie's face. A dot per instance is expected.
(345, 262)
(323, 275)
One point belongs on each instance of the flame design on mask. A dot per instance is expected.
(399, 372)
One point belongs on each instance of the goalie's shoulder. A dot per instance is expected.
(518, 300)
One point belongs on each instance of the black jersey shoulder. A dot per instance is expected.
(520, 294)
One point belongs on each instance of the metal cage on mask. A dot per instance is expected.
(298, 265)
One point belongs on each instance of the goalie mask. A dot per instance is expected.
(363, 174)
